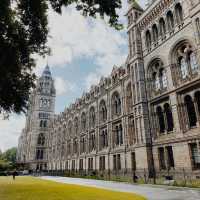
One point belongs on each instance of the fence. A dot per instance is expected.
(178, 177)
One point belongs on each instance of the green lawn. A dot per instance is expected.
(27, 188)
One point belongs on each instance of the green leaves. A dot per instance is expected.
(24, 32)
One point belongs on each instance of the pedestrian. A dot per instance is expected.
(14, 174)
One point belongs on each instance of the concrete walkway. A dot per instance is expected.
(150, 192)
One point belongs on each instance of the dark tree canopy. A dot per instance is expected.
(24, 32)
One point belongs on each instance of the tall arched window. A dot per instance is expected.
(183, 67)
(116, 104)
(162, 27)
(169, 117)
(41, 123)
(76, 126)
(155, 33)
(148, 40)
(186, 57)
(131, 131)
(158, 76)
(70, 128)
(161, 119)
(190, 111)
(92, 117)
(170, 21)
(116, 135)
(193, 61)
(129, 99)
(163, 78)
(83, 121)
(197, 99)
(197, 22)
(102, 111)
(121, 140)
(41, 139)
(179, 13)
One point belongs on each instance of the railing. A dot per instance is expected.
(178, 177)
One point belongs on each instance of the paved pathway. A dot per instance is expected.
(151, 192)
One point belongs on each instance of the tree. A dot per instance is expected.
(8, 159)
(10, 155)
(24, 32)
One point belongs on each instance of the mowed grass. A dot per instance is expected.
(28, 188)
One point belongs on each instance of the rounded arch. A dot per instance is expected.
(169, 117)
(155, 33)
(162, 27)
(183, 55)
(102, 111)
(83, 121)
(190, 108)
(148, 39)
(116, 103)
(161, 119)
(181, 41)
(129, 97)
(157, 76)
(76, 126)
(70, 127)
(179, 13)
(170, 20)
(41, 139)
(92, 117)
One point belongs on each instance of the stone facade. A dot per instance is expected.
(146, 114)
(32, 147)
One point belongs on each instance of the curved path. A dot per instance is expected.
(149, 191)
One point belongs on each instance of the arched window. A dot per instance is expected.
(170, 20)
(129, 99)
(183, 67)
(179, 13)
(169, 117)
(156, 81)
(155, 33)
(158, 76)
(190, 111)
(45, 124)
(148, 40)
(116, 135)
(116, 104)
(197, 22)
(70, 128)
(41, 139)
(83, 122)
(121, 140)
(186, 57)
(193, 62)
(163, 78)
(102, 111)
(92, 117)
(161, 119)
(41, 123)
(197, 99)
(162, 27)
(76, 126)
(105, 138)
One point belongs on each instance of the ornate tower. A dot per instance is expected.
(40, 113)
(140, 107)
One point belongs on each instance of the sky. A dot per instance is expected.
(82, 50)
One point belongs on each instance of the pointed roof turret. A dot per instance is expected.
(46, 72)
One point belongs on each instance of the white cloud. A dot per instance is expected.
(63, 86)
(72, 37)
(10, 131)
